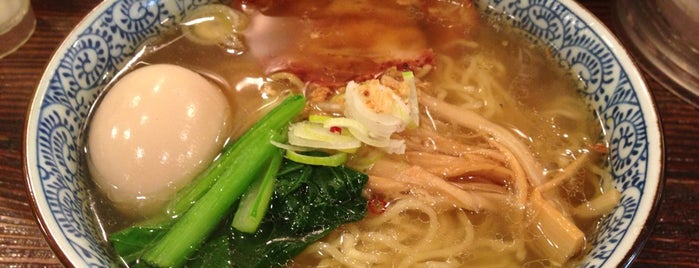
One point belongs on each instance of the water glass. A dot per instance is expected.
(17, 23)
(663, 36)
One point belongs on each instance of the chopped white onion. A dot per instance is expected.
(364, 124)
(381, 125)
(357, 130)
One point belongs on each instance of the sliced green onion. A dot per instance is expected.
(314, 135)
(344, 122)
(349, 151)
(400, 110)
(318, 118)
(330, 161)
(409, 78)
(290, 147)
(358, 130)
(367, 160)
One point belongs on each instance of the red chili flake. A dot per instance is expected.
(599, 147)
(336, 129)
(376, 205)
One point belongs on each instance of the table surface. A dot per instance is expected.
(673, 241)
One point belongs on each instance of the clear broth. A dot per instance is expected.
(531, 73)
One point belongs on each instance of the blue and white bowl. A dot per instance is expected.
(112, 32)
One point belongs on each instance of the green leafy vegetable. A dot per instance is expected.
(255, 201)
(248, 154)
(308, 203)
(216, 251)
(130, 243)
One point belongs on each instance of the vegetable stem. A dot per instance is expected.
(255, 201)
(248, 155)
(200, 185)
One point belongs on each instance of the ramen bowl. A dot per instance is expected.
(112, 33)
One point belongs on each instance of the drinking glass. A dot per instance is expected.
(663, 37)
(17, 23)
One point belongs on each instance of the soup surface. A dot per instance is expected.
(506, 166)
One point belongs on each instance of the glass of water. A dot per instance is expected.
(17, 23)
(663, 37)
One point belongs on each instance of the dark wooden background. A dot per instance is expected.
(674, 240)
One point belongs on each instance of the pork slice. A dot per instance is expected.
(337, 41)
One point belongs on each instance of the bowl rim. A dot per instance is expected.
(650, 220)
(31, 113)
(608, 38)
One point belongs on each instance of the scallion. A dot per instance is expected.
(330, 161)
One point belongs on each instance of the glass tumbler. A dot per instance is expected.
(663, 37)
(17, 23)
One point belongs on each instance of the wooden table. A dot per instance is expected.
(674, 240)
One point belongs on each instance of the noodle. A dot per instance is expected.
(468, 190)
(505, 168)
(462, 194)
(474, 121)
(450, 166)
(565, 174)
(521, 187)
(379, 241)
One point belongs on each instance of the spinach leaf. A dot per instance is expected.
(215, 252)
(308, 203)
(130, 243)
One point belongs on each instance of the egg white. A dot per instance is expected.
(155, 130)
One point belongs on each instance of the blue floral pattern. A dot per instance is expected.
(114, 32)
(607, 88)
(84, 66)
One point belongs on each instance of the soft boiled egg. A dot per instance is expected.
(154, 131)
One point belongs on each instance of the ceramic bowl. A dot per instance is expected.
(104, 40)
